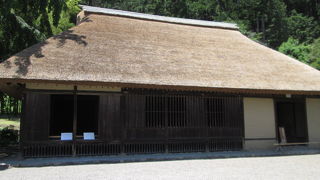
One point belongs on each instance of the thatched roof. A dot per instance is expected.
(113, 12)
(117, 49)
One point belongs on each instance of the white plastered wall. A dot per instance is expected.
(313, 117)
(259, 122)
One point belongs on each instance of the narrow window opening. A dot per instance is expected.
(87, 114)
(61, 114)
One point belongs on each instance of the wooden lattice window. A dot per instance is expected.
(215, 112)
(176, 111)
(161, 108)
(155, 111)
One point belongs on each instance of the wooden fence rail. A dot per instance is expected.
(50, 149)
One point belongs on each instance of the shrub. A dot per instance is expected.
(8, 136)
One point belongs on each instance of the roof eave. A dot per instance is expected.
(169, 87)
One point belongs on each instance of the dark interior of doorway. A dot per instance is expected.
(87, 114)
(292, 116)
(61, 114)
(62, 108)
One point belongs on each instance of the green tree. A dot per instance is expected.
(302, 28)
(276, 24)
(293, 48)
(24, 23)
(310, 8)
(315, 54)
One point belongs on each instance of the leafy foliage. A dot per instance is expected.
(24, 23)
(8, 136)
(9, 105)
(315, 54)
(296, 50)
(302, 28)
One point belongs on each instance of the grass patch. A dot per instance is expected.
(13, 122)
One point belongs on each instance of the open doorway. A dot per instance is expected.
(61, 114)
(62, 107)
(87, 114)
(291, 116)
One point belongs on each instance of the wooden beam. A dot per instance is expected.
(22, 124)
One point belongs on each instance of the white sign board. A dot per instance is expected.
(66, 136)
(88, 135)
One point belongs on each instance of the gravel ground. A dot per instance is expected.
(281, 167)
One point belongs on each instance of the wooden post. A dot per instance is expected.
(166, 122)
(22, 125)
(207, 122)
(75, 113)
(123, 115)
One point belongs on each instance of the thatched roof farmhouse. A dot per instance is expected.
(157, 72)
(130, 49)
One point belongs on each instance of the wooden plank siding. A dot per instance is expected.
(189, 116)
(109, 117)
(144, 121)
(37, 115)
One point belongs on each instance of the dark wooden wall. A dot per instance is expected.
(196, 121)
(35, 123)
(139, 121)
(110, 123)
(147, 116)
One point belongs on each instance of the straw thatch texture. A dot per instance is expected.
(114, 49)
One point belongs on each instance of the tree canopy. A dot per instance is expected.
(24, 23)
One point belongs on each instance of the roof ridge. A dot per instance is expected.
(174, 20)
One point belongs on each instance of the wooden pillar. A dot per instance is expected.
(167, 122)
(22, 125)
(123, 116)
(75, 113)
(205, 120)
